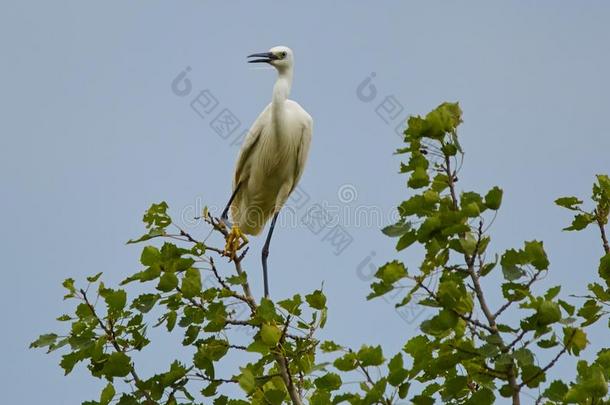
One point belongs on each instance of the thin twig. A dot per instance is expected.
(370, 380)
(462, 316)
(224, 285)
(470, 261)
(510, 302)
(109, 330)
(551, 363)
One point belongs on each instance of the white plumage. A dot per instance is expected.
(272, 158)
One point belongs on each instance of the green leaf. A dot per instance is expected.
(493, 198)
(270, 334)
(266, 310)
(83, 311)
(292, 305)
(274, 396)
(167, 282)
(396, 230)
(512, 272)
(370, 356)
(483, 396)
(552, 292)
(329, 381)
(320, 397)
(316, 300)
(107, 394)
(93, 279)
(211, 390)
(238, 279)
(452, 294)
(524, 357)
(246, 380)
(117, 365)
(68, 361)
(471, 210)
(533, 375)
(556, 391)
(590, 311)
(191, 283)
(406, 240)
(397, 373)
(69, 285)
(534, 250)
(449, 149)
(403, 390)
(570, 203)
(455, 386)
(548, 343)
(567, 307)
(487, 268)
(217, 315)
(440, 324)
(422, 400)
(574, 339)
(604, 268)
(150, 255)
(391, 272)
(44, 340)
(156, 216)
(128, 400)
(347, 362)
(599, 291)
(213, 349)
(115, 299)
(153, 233)
(443, 119)
(257, 346)
(468, 244)
(145, 302)
(548, 312)
(329, 346)
(419, 178)
(429, 228)
(175, 373)
(581, 221)
(511, 259)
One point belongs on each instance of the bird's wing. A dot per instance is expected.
(302, 152)
(248, 146)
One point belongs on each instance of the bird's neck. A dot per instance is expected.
(281, 91)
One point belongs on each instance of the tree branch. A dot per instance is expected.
(509, 302)
(281, 360)
(222, 282)
(370, 380)
(512, 379)
(602, 231)
(109, 330)
(551, 363)
(462, 316)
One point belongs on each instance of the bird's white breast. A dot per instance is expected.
(271, 171)
(273, 160)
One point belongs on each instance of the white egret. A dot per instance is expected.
(271, 159)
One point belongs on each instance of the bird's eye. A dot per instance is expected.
(283, 54)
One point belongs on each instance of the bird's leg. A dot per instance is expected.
(236, 240)
(265, 254)
(224, 217)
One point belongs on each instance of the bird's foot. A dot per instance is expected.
(236, 240)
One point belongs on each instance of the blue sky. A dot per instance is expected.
(92, 133)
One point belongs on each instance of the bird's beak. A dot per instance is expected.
(264, 57)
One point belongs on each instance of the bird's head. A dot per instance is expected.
(280, 57)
